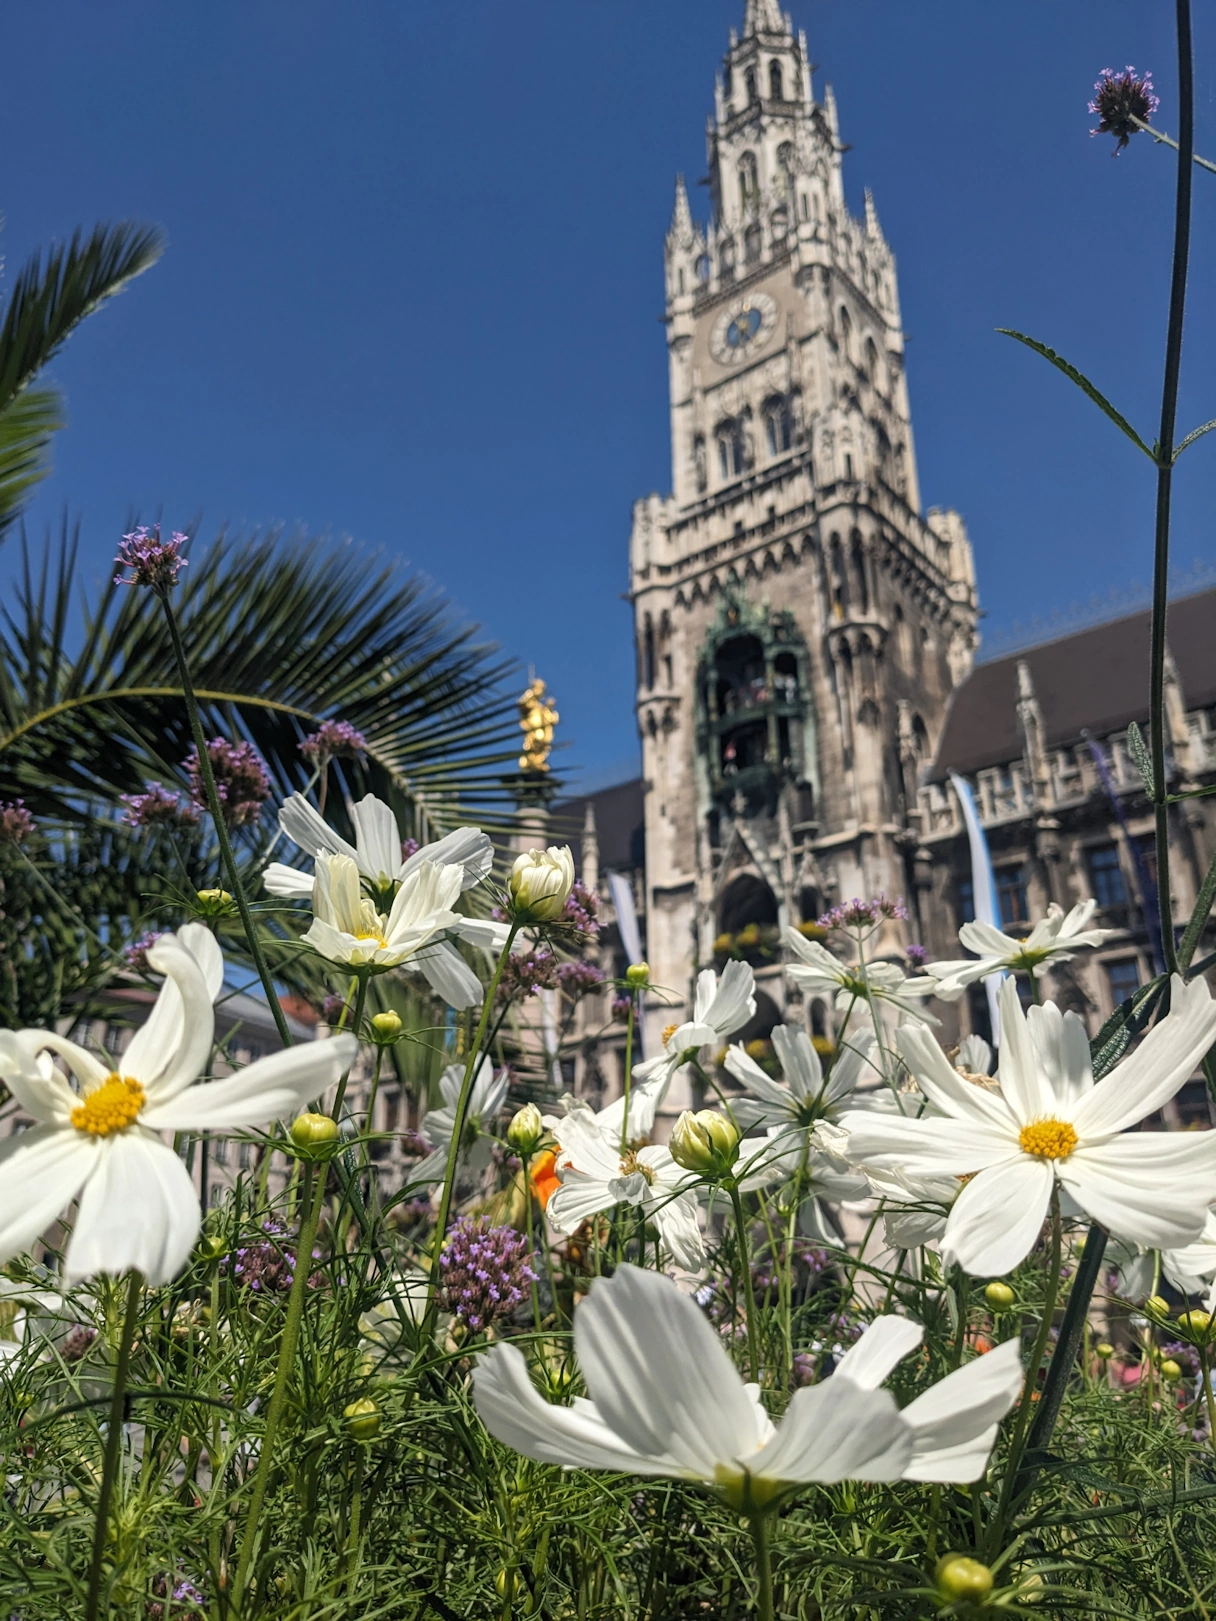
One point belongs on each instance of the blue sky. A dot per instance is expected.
(414, 279)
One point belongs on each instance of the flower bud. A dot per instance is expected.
(1195, 1323)
(637, 974)
(1104, 1350)
(362, 1419)
(958, 1576)
(1171, 1371)
(1156, 1306)
(999, 1296)
(705, 1142)
(212, 1246)
(386, 1027)
(214, 902)
(526, 1129)
(540, 884)
(313, 1131)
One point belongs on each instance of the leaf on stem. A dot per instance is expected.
(1084, 384)
(1141, 758)
(1128, 1020)
(1200, 915)
(1195, 433)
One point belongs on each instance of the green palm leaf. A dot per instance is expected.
(26, 430)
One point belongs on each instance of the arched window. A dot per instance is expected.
(780, 225)
(728, 81)
(778, 425)
(857, 551)
(749, 186)
(648, 653)
(732, 447)
(703, 267)
(749, 83)
(871, 361)
(753, 243)
(726, 259)
(776, 88)
(747, 899)
(839, 580)
(698, 457)
(846, 332)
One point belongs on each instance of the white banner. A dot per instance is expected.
(983, 889)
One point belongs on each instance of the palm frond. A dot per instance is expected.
(27, 426)
(47, 304)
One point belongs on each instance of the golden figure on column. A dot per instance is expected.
(537, 717)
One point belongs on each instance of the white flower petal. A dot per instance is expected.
(1024, 1085)
(1062, 1046)
(680, 1231)
(290, 882)
(799, 1062)
(173, 1047)
(837, 1431)
(138, 1210)
(468, 848)
(735, 1001)
(578, 1198)
(1159, 1067)
(929, 1147)
(997, 1217)
(303, 826)
(270, 1089)
(748, 1073)
(1153, 1188)
(885, 1342)
(377, 838)
(945, 1087)
(448, 975)
(954, 1422)
(41, 1172)
(37, 1085)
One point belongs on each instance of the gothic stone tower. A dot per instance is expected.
(800, 626)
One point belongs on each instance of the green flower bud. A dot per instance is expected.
(638, 973)
(212, 1246)
(313, 1131)
(386, 1027)
(999, 1296)
(540, 884)
(1195, 1323)
(1171, 1371)
(526, 1129)
(958, 1576)
(705, 1142)
(1104, 1350)
(213, 903)
(1156, 1306)
(362, 1419)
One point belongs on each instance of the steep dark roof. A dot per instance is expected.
(619, 822)
(1095, 679)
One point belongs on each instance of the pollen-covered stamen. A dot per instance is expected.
(110, 1107)
(372, 934)
(631, 1163)
(669, 1032)
(1048, 1139)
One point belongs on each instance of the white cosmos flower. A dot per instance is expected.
(137, 1205)
(1055, 939)
(1050, 1123)
(347, 928)
(485, 1100)
(595, 1175)
(819, 973)
(720, 1007)
(381, 867)
(540, 884)
(807, 1097)
(665, 1399)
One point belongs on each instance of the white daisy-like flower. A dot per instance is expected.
(819, 973)
(720, 1007)
(382, 871)
(1050, 1123)
(1055, 939)
(807, 1097)
(665, 1399)
(102, 1145)
(486, 1098)
(595, 1175)
(347, 928)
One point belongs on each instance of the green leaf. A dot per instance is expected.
(1198, 919)
(1084, 384)
(26, 429)
(1127, 1021)
(1195, 433)
(1141, 758)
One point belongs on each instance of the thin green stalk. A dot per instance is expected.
(758, 1526)
(356, 1026)
(749, 1295)
(309, 1218)
(1205, 1372)
(459, 1122)
(1076, 1319)
(628, 1076)
(113, 1454)
(1165, 470)
(1163, 139)
(227, 855)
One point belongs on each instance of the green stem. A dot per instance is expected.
(356, 1026)
(460, 1120)
(628, 1077)
(1205, 1373)
(1064, 1357)
(1163, 139)
(1165, 470)
(309, 1218)
(227, 855)
(749, 1295)
(113, 1454)
(758, 1525)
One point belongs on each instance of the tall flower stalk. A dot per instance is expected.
(114, 1438)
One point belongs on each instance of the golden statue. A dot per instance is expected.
(537, 718)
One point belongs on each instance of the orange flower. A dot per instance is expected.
(545, 1181)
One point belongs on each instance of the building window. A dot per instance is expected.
(966, 901)
(753, 242)
(703, 267)
(648, 653)
(726, 259)
(1011, 895)
(732, 448)
(749, 84)
(219, 1150)
(780, 225)
(778, 425)
(1106, 876)
(1123, 979)
(749, 187)
(776, 87)
(698, 457)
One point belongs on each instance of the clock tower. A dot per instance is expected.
(800, 624)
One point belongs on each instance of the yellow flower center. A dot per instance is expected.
(372, 934)
(110, 1107)
(669, 1032)
(1048, 1139)
(631, 1163)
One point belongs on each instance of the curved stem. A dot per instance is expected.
(628, 1076)
(309, 1217)
(356, 1026)
(227, 854)
(758, 1525)
(749, 1295)
(113, 1455)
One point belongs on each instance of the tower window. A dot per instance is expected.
(749, 185)
(846, 332)
(1011, 894)
(778, 425)
(752, 244)
(776, 88)
(648, 653)
(726, 259)
(871, 361)
(1106, 877)
(728, 81)
(698, 457)
(749, 83)
(781, 224)
(703, 267)
(732, 447)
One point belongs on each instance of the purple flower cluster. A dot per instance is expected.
(183, 1598)
(16, 823)
(158, 807)
(485, 1271)
(333, 740)
(917, 956)
(526, 973)
(582, 910)
(269, 1266)
(579, 978)
(240, 780)
(861, 914)
(333, 1007)
(409, 847)
(414, 1144)
(78, 1343)
(152, 561)
(136, 954)
(1120, 98)
(621, 1003)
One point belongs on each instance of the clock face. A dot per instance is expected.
(744, 327)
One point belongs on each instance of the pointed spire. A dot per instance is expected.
(873, 228)
(763, 17)
(681, 229)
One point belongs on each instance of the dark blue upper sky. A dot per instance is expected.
(414, 279)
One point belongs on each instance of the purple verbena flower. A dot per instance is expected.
(333, 1007)
(1119, 100)
(620, 1008)
(409, 847)
(333, 740)
(581, 910)
(16, 823)
(152, 561)
(268, 1266)
(136, 954)
(158, 807)
(579, 978)
(77, 1343)
(527, 972)
(240, 780)
(486, 1274)
(917, 955)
